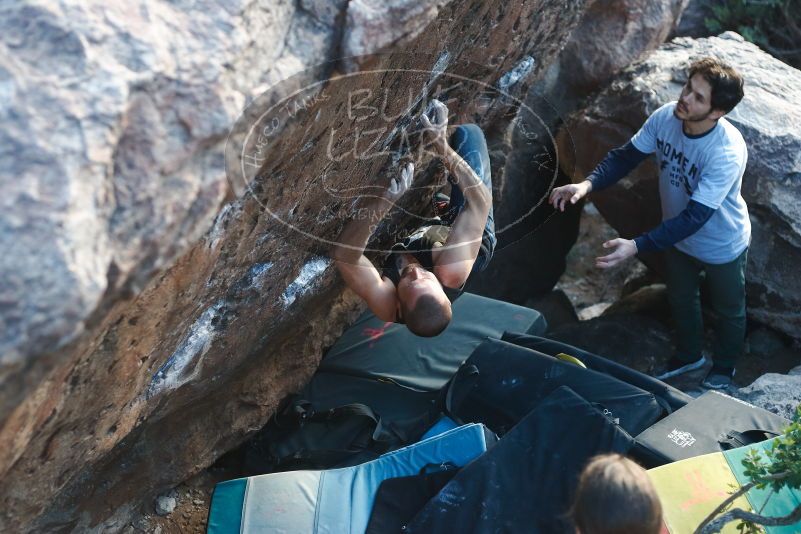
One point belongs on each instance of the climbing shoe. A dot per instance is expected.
(719, 377)
(676, 367)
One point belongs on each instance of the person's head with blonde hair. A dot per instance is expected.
(615, 496)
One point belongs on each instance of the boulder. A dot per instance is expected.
(640, 342)
(765, 341)
(154, 314)
(530, 265)
(649, 300)
(638, 278)
(611, 35)
(114, 122)
(692, 22)
(777, 393)
(532, 242)
(768, 118)
(555, 307)
(375, 25)
(593, 290)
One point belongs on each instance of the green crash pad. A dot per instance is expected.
(771, 504)
(372, 348)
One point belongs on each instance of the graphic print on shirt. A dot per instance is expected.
(683, 172)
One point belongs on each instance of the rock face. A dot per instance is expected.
(636, 341)
(532, 244)
(692, 19)
(114, 122)
(134, 354)
(590, 289)
(780, 394)
(768, 118)
(648, 300)
(611, 35)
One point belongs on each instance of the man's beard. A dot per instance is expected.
(696, 118)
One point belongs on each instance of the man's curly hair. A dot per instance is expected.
(727, 83)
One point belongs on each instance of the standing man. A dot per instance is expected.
(427, 270)
(701, 157)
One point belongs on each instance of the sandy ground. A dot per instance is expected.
(191, 512)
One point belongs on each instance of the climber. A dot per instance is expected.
(705, 226)
(428, 269)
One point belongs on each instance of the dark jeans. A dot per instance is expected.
(468, 141)
(726, 298)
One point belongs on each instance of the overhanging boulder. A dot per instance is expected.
(179, 347)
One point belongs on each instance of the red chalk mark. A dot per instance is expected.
(374, 334)
(701, 491)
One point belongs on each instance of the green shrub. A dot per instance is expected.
(773, 25)
(780, 468)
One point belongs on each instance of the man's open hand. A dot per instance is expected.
(569, 193)
(622, 249)
(436, 128)
(400, 184)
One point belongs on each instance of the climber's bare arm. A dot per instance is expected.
(364, 279)
(455, 260)
(358, 272)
